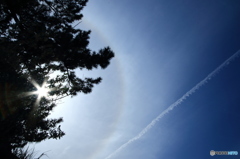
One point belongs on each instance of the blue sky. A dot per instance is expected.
(163, 48)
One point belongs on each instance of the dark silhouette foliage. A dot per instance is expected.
(37, 38)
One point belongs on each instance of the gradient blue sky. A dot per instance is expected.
(163, 48)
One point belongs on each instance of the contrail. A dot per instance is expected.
(179, 101)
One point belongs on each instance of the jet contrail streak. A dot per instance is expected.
(179, 101)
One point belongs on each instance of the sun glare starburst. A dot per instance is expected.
(41, 92)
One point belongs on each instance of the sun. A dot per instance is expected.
(42, 91)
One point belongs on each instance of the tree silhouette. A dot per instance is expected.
(37, 38)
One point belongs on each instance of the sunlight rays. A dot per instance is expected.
(41, 92)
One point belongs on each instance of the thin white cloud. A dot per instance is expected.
(179, 101)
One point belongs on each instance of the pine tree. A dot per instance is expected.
(37, 38)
